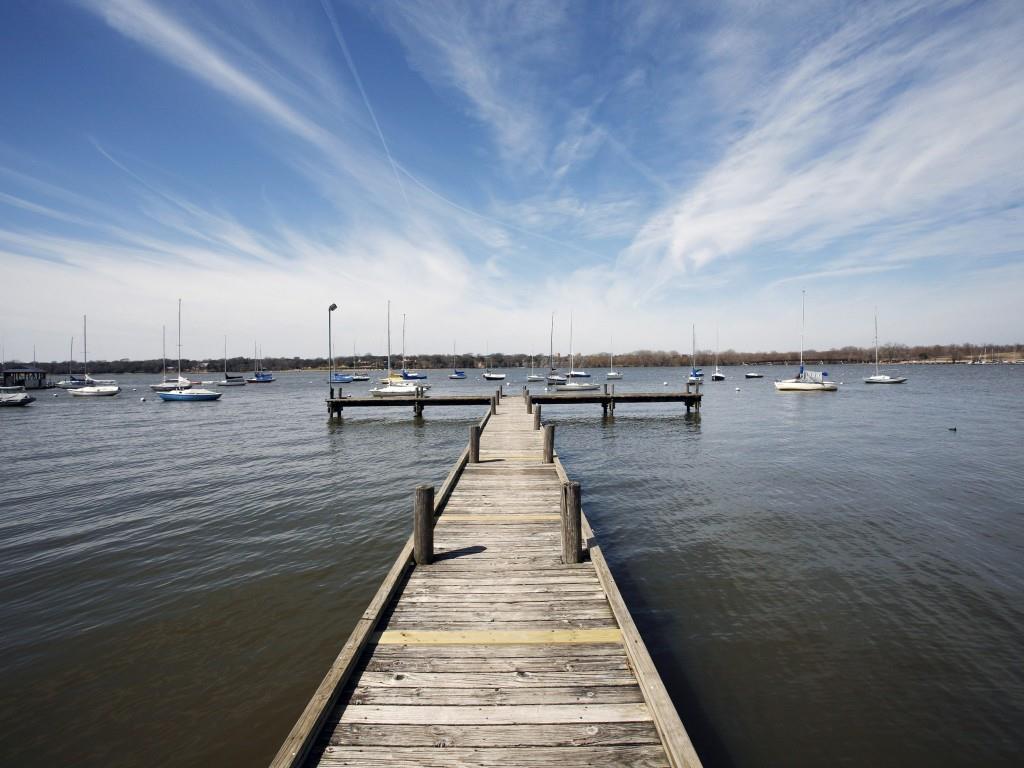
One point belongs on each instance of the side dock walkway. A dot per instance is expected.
(501, 650)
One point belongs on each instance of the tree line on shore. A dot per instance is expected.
(890, 353)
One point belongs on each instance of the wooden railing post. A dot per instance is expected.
(474, 444)
(549, 443)
(494, 404)
(423, 525)
(529, 402)
(536, 416)
(572, 536)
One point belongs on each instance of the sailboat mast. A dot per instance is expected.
(572, 366)
(389, 338)
(876, 341)
(551, 349)
(85, 347)
(179, 338)
(225, 358)
(163, 348)
(71, 356)
(403, 341)
(803, 317)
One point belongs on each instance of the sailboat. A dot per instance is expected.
(696, 374)
(189, 394)
(553, 377)
(407, 374)
(490, 375)
(574, 386)
(357, 376)
(612, 373)
(259, 376)
(573, 373)
(337, 377)
(533, 377)
(456, 374)
(881, 378)
(717, 375)
(806, 381)
(229, 380)
(168, 384)
(72, 381)
(393, 385)
(93, 387)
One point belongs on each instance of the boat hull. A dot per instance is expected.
(105, 391)
(806, 386)
(231, 383)
(16, 402)
(494, 376)
(718, 377)
(190, 395)
(534, 378)
(753, 375)
(883, 379)
(577, 387)
(613, 375)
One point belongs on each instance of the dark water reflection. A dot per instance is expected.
(822, 579)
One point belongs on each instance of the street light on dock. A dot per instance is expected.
(330, 350)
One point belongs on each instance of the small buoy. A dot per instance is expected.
(737, 389)
(54, 394)
(952, 429)
(142, 399)
(134, 389)
(664, 383)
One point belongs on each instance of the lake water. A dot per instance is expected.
(823, 579)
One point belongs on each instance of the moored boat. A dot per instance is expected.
(881, 378)
(805, 380)
(13, 397)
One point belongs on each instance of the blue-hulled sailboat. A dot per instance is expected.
(187, 395)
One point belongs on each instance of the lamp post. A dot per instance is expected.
(330, 350)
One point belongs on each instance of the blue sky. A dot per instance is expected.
(645, 166)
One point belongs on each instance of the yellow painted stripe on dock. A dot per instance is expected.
(499, 519)
(497, 637)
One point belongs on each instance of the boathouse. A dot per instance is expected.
(26, 376)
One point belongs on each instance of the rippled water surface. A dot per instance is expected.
(823, 579)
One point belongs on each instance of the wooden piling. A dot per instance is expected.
(423, 525)
(529, 403)
(572, 507)
(474, 444)
(494, 404)
(536, 417)
(549, 443)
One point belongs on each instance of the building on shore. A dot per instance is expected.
(26, 376)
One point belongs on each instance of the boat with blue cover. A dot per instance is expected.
(259, 376)
(191, 394)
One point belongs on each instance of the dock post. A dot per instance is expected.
(474, 444)
(423, 525)
(571, 528)
(606, 389)
(549, 443)
(529, 402)
(494, 405)
(497, 393)
(613, 399)
(536, 416)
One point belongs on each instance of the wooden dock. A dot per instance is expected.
(606, 398)
(498, 637)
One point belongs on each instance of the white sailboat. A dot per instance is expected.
(806, 381)
(190, 394)
(93, 387)
(574, 386)
(612, 373)
(533, 377)
(168, 385)
(357, 376)
(573, 373)
(553, 377)
(490, 375)
(229, 380)
(881, 378)
(696, 374)
(393, 385)
(717, 375)
(456, 374)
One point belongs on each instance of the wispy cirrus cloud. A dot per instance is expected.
(904, 115)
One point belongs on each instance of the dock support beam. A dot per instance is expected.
(572, 508)
(423, 525)
(549, 443)
(474, 444)
(536, 416)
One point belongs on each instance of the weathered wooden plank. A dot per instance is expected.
(498, 637)
(480, 680)
(536, 735)
(636, 755)
(486, 715)
(494, 696)
(454, 624)
(509, 651)
(409, 663)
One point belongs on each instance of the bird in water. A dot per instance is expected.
(952, 429)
